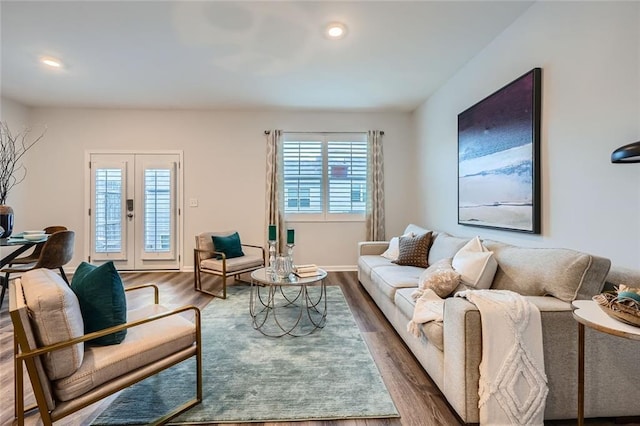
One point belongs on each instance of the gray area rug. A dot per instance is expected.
(248, 377)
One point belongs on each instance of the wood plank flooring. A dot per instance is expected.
(417, 398)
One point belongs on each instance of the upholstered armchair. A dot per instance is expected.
(218, 261)
(66, 372)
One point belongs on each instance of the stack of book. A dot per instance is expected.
(305, 271)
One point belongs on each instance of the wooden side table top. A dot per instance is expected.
(589, 313)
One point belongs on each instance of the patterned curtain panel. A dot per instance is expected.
(275, 195)
(375, 188)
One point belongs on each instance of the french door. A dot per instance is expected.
(134, 213)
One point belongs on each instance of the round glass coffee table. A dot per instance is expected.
(291, 305)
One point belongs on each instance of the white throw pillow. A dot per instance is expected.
(476, 264)
(393, 251)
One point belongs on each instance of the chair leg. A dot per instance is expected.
(196, 272)
(4, 289)
(224, 286)
(5, 286)
(64, 277)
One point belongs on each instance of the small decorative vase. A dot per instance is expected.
(283, 266)
(6, 221)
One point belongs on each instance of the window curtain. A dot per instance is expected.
(275, 195)
(375, 188)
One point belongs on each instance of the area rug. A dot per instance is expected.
(248, 377)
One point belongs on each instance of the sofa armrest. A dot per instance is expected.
(372, 247)
(462, 355)
(462, 328)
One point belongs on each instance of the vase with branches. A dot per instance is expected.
(13, 147)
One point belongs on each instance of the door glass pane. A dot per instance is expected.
(157, 210)
(108, 214)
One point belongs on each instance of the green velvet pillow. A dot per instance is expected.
(102, 301)
(229, 245)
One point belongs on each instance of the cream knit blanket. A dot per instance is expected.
(513, 385)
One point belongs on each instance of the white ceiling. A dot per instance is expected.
(241, 55)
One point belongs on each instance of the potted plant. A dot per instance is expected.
(12, 170)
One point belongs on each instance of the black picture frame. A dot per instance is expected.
(499, 158)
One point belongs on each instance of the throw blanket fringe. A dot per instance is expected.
(513, 385)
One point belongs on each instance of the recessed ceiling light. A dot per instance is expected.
(51, 62)
(336, 30)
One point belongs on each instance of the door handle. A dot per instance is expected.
(130, 208)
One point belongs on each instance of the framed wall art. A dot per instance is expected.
(499, 158)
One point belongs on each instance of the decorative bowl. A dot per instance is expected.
(34, 237)
(38, 232)
(626, 310)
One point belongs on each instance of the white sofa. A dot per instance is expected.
(450, 351)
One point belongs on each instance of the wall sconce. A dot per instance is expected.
(627, 154)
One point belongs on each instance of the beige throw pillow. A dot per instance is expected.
(56, 317)
(439, 277)
(393, 251)
(476, 264)
(414, 250)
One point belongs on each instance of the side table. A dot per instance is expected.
(288, 295)
(587, 312)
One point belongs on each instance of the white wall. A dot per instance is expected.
(589, 53)
(224, 156)
(16, 116)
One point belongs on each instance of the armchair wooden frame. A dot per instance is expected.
(197, 270)
(25, 353)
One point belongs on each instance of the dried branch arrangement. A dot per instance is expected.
(12, 149)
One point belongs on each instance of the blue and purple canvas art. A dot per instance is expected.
(498, 158)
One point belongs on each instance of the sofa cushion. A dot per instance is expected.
(476, 265)
(233, 264)
(56, 317)
(204, 241)
(368, 262)
(444, 245)
(416, 230)
(563, 273)
(143, 345)
(390, 278)
(414, 250)
(102, 300)
(439, 277)
(432, 330)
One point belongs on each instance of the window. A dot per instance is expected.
(325, 176)
(108, 210)
(157, 210)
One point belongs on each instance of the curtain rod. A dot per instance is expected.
(266, 132)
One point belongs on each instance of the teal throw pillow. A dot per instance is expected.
(229, 245)
(102, 301)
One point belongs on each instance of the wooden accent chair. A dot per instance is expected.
(209, 261)
(35, 254)
(56, 252)
(68, 374)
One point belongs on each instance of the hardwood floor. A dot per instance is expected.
(417, 398)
